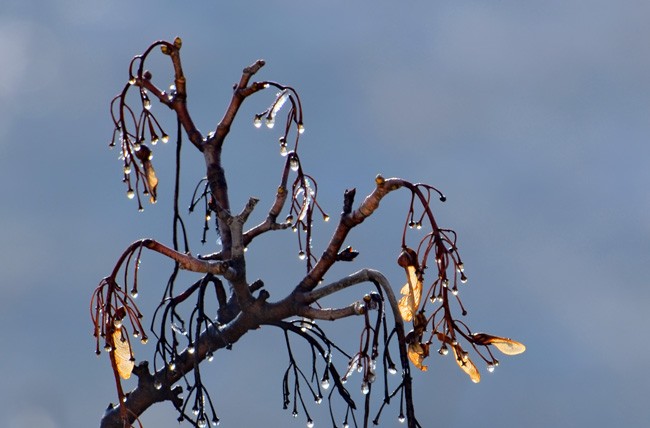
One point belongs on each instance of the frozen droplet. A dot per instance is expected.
(134, 293)
(326, 218)
(190, 349)
(202, 423)
(294, 163)
(132, 80)
(164, 138)
(215, 422)
(401, 418)
(310, 423)
(294, 414)
(257, 121)
(445, 282)
(154, 141)
(443, 350)
(392, 370)
(418, 225)
(195, 411)
(301, 128)
(157, 384)
(346, 425)
(463, 278)
(146, 104)
(208, 217)
(289, 219)
(136, 333)
(365, 388)
(460, 267)
(107, 348)
(302, 255)
(454, 291)
(171, 366)
(178, 329)
(144, 340)
(117, 323)
(130, 194)
(325, 383)
(490, 367)
(210, 356)
(318, 399)
(270, 122)
(127, 169)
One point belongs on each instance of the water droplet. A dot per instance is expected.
(146, 104)
(401, 418)
(310, 423)
(164, 138)
(326, 218)
(144, 340)
(454, 291)
(392, 370)
(178, 329)
(325, 383)
(270, 122)
(302, 255)
(490, 367)
(210, 356)
(443, 350)
(411, 224)
(157, 384)
(346, 425)
(107, 348)
(289, 219)
(195, 411)
(127, 169)
(208, 217)
(318, 399)
(460, 267)
(132, 80)
(301, 128)
(202, 423)
(134, 293)
(463, 278)
(365, 388)
(445, 282)
(257, 121)
(294, 414)
(136, 147)
(190, 349)
(154, 141)
(283, 150)
(130, 194)
(294, 163)
(215, 422)
(418, 225)
(171, 366)
(117, 323)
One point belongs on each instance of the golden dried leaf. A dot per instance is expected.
(412, 292)
(122, 353)
(466, 365)
(152, 180)
(503, 344)
(417, 352)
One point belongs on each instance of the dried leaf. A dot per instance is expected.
(417, 352)
(466, 365)
(412, 290)
(144, 154)
(122, 354)
(503, 344)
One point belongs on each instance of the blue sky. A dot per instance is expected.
(532, 117)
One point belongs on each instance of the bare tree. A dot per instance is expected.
(185, 338)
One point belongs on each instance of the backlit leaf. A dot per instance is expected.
(466, 365)
(122, 353)
(503, 344)
(412, 290)
(417, 352)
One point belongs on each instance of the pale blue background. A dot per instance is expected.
(533, 117)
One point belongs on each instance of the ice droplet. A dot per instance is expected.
(325, 383)
(365, 388)
(257, 121)
(127, 169)
(157, 384)
(294, 164)
(490, 367)
(401, 418)
(130, 194)
(301, 128)
(310, 423)
(302, 255)
(392, 370)
(270, 122)
(202, 423)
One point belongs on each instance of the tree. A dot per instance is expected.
(184, 339)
